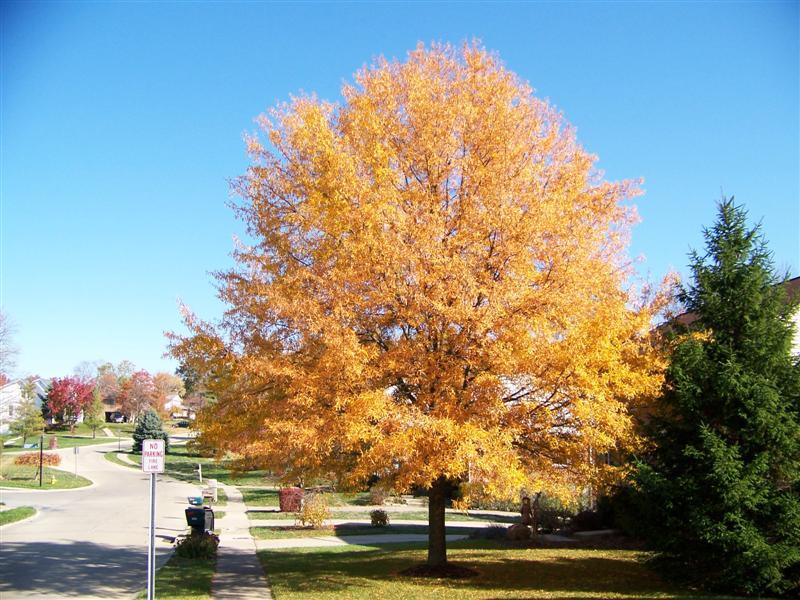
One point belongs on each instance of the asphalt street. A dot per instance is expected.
(91, 542)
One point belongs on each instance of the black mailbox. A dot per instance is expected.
(200, 519)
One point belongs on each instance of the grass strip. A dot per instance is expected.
(12, 515)
(113, 458)
(274, 533)
(27, 476)
(184, 579)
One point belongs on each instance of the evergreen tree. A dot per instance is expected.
(30, 420)
(722, 485)
(148, 427)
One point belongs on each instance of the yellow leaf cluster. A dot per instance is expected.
(436, 287)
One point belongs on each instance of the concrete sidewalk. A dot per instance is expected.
(239, 574)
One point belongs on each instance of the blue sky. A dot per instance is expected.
(122, 123)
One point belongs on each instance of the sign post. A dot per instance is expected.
(152, 462)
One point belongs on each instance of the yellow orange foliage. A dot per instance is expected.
(437, 286)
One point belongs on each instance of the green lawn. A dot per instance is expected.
(271, 533)
(182, 464)
(363, 515)
(111, 456)
(373, 572)
(261, 497)
(184, 579)
(28, 477)
(12, 515)
(65, 440)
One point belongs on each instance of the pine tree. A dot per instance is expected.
(148, 427)
(722, 485)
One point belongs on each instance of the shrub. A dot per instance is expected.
(495, 532)
(377, 496)
(32, 458)
(379, 518)
(290, 499)
(198, 546)
(587, 520)
(314, 511)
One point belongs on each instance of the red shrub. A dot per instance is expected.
(290, 499)
(32, 458)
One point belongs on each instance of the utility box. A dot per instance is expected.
(200, 519)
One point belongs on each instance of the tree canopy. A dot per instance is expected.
(435, 289)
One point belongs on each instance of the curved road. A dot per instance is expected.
(91, 542)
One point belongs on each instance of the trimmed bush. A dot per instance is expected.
(379, 518)
(32, 459)
(198, 546)
(290, 499)
(377, 496)
(314, 511)
(588, 520)
(495, 532)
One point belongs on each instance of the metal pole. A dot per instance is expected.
(41, 451)
(151, 542)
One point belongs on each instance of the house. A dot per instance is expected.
(11, 397)
(176, 409)
(792, 290)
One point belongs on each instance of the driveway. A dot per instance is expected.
(92, 542)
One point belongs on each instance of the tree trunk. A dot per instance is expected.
(437, 545)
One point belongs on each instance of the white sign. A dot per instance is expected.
(153, 456)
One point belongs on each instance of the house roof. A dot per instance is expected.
(792, 290)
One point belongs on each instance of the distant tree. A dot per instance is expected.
(149, 427)
(94, 415)
(166, 385)
(721, 490)
(137, 394)
(29, 420)
(87, 369)
(68, 397)
(8, 350)
(108, 388)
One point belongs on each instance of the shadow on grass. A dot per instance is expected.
(504, 572)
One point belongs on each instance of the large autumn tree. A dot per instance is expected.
(434, 291)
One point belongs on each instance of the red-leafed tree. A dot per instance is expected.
(68, 397)
(137, 394)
